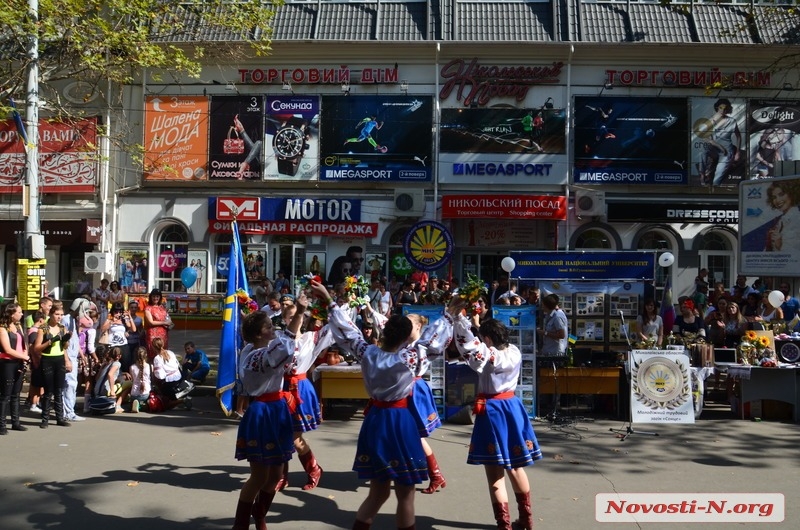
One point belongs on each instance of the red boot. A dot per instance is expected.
(242, 521)
(501, 515)
(437, 479)
(284, 481)
(312, 468)
(261, 507)
(525, 521)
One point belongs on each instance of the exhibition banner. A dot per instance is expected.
(236, 145)
(376, 138)
(624, 140)
(503, 145)
(769, 226)
(584, 265)
(291, 144)
(175, 138)
(719, 142)
(773, 127)
(661, 387)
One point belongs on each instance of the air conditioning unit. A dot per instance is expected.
(409, 203)
(590, 203)
(95, 262)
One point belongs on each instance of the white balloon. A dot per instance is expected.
(666, 259)
(776, 298)
(508, 264)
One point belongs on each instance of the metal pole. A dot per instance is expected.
(34, 241)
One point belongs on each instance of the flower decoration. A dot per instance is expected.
(750, 336)
(317, 310)
(755, 350)
(246, 304)
(471, 291)
(355, 289)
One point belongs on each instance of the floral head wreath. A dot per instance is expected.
(317, 309)
(471, 291)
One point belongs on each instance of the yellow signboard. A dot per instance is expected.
(30, 282)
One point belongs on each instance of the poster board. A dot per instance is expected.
(660, 387)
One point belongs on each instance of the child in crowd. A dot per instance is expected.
(140, 376)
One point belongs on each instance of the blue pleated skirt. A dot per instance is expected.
(389, 448)
(308, 415)
(503, 436)
(265, 434)
(423, 407)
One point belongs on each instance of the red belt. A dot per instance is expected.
(277, 396)
(480, 402)
(399, 404)
(292, 381)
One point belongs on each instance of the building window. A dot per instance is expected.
(659, 243)
(171, 253)
(715, 241)
(593, 238)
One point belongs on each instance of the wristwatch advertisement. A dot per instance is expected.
(292, 130)
(290, 144)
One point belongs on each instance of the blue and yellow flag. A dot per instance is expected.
(230, 341)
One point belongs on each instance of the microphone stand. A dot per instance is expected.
(623, 433)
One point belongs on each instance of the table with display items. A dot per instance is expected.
(581, 380)
(759, 383)
(339, 381)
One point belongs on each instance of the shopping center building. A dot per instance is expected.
(519, 125)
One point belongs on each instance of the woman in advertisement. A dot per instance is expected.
(783, 234)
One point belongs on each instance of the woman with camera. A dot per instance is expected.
(51, 342)
(116, 330)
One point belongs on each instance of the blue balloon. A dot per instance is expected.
(188, 276)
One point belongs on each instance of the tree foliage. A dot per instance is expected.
(99, 41)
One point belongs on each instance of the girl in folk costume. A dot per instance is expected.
(434, 340)
(502, 438)
(265, 432)
(388, 448)
(309, 347)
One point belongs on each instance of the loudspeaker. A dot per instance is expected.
(788, 350)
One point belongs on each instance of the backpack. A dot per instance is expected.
(155, 403)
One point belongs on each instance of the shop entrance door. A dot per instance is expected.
(288, 256)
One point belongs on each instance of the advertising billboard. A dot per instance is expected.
(292, 141)
(237, 138)
(175, 138)
(376, 138)
(503, 144)
(624, 140)
(769, 224)
(719, 142)
(773, 128)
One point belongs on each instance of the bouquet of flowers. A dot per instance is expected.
(471, 291)
(754, 349)
(246, 304)
(355, 289)
(317, 310)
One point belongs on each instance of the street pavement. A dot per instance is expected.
(176, 470)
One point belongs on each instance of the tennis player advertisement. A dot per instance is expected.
(376, 138)
(623, 140)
